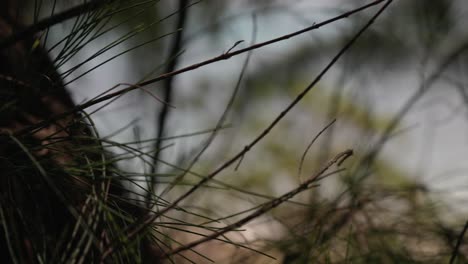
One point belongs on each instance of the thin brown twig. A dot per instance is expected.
(224, 115)
(278, 118)
(301, 163)
(267, 206)
(168, 90)
(224, 56)
(151, 218)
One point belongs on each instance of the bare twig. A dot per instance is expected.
(278, 118)
(267, 206)
(151, 218)
(167, 88)
(223, 117)
(164, 76)
(310, 145)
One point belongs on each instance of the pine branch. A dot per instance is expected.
(133, 232)
(52, 20)
(192, 67)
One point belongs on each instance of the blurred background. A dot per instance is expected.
(402, 197)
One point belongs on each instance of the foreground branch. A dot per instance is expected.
(275, 121)
(338, 159)
(134, 231)
(224, 56)
(52, 20)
